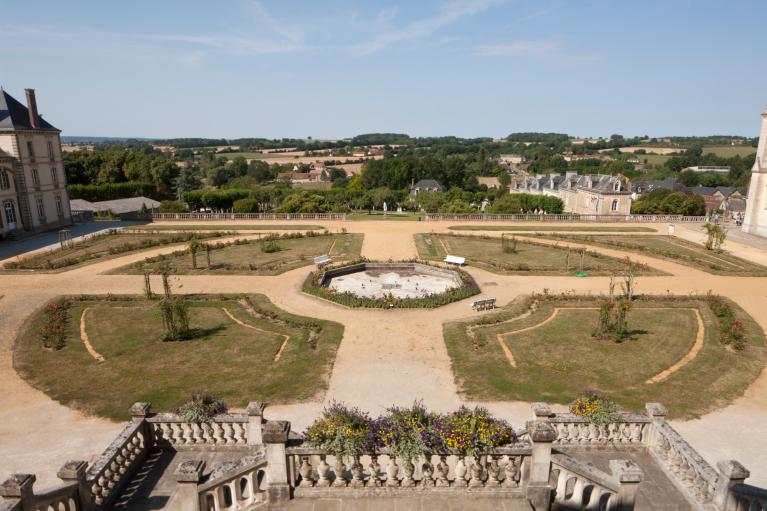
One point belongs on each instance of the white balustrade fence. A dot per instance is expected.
(171, 430)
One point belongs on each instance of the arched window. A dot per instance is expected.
(5, 180)
(10, 212)
(615, 205)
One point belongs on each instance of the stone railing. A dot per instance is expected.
(313, 470)
(565, 218)
(113, 469)
(248, 216)
(17, 492)
(582, 486)
(744, 497)
(171, 430)
(630, 429)
(237, 486)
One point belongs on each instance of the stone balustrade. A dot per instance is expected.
(314, 471)
(566, 217)
(238, 489)
(248, 216)
(575, 430)
(579, 485)
(744, 497)
(171, 430)
(117, 464)
(691, 473)
(73, 494)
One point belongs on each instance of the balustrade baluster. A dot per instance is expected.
(358, 479)
(391, 472)
(408, 469)
(442, 471)
(476, 471)
(340, 471)
(562, 477)
(306, 473)
(460, 473)
(375, 472)
(493, 472)
(511, 469)
(322, 471)
(427, 469)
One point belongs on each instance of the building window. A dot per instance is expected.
(50, 150)
(40, 208)
(5, 180)
(615, 205)
(55, 177)
(30, 150)
(59, 206)
(35, 178)
(10, 213)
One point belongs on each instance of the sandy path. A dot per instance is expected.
(386, 357)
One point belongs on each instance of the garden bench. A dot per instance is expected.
(459, 261)
(480, 305)
(323, 259)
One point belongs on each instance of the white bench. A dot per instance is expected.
(480, 305)
(323, 259)
(451, 259)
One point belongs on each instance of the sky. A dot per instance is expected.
(337, 68)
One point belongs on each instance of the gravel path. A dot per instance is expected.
(386, 357)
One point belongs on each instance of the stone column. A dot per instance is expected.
(275, 435)
(542, 411)
(542, 434)
(74, 472)
(657, 413)
(731, 473)
(18, 493)
(629, 475)
(255, 422)
(186, 496)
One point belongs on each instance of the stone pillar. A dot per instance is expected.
(140, 411)
(657, 413)
(18, 493)
(542, 411)
(629, 475)
(255, 422)
(731, 473)
(186, 496)
(275, 435)
(542, 434)
(74, 472)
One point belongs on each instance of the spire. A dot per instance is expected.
(760, 164)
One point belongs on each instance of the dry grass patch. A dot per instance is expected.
(560, 359)
(270, 255)
(672, 249)
(224, 357)
(527, 258)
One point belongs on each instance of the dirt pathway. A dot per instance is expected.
(386, 357)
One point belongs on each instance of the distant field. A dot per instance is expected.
(314, 185)
(653, 159)
(728, 151)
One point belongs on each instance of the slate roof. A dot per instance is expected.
(736, 204)
(703, 190)
(726, 190)
(15, 116)
(429, 184)
(120, 206)
(82, 205)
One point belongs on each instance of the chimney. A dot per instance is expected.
(34, 119)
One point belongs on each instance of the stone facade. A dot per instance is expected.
(588, 194)
(755, 221)
(33, 194)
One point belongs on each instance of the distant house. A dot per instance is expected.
(489, 181)
(707, 168)
(512, 159)
(596, 194)
(640, 188)
(299, 177)
(426, 185)
(716, 197)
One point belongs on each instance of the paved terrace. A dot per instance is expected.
(386, 357)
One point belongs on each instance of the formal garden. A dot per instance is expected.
(100, 355)
(110, 244)
(514, 255)
(713, 260)
(239, 226)
(270, 254)
(549, 227)
(633, 350)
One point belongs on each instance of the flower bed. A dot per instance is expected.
(597, 409)
(53, 332)
(409, 432)
(314, 285)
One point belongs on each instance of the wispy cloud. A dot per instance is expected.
(425, 27)
(517, 48)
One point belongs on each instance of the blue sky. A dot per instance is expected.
(434, 67)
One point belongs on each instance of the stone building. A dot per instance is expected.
(755, 221)
(33, 194)
(589, 194)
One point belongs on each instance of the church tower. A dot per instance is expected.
(755, 221)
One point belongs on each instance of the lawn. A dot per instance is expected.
(223, 227)
(99, 247)
(249, 256)
(542, 228)
(728, 151)
(673, 249)
(530, 258)
(559, 360)
(225, 358)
